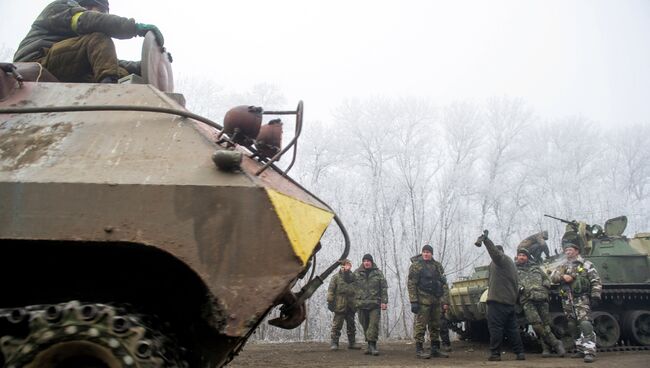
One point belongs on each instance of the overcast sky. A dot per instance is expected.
(589, 58)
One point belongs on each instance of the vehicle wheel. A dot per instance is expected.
(84, 335)
(636, 326)
(606, 328)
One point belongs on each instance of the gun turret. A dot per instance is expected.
(573, 223)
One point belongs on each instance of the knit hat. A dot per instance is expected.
(427, 248)
(569, 244)
(368, 257)
(523, 251)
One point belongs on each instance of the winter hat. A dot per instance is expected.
(427, 248)
(523, 251)
(368, 257)
(569, 244)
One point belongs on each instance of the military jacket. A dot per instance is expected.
(55, 24)
(427, 283)
(372, 289)
(342, 292)
(533, 283)
(585, 277)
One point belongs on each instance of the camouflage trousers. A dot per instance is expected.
(83, 59)
(337, 325)
(578, 315)
(444, 329)
(538, 316)
(428, 316)
(369, 319)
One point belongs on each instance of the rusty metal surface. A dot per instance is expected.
(144, 178)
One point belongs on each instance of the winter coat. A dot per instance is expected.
(586, 280)
(427, 283)
(503, 280)
(533, 283)
(55, 23)
(342, 292)
(372, 289)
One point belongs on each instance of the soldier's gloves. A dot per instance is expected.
(331, 306)
(415, 308)
(142, 29)
(595, 301)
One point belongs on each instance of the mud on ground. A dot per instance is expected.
(402, 354)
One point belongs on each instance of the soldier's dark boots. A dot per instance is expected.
(368, 350)
(334, 345)
(559, 349)
(546, 351)
(521, 356)
(419, 351)
(352, 345)
(589, 358)
(495, 358)
(373, 348)
(110, 80)
(435, 350)
(578, 355)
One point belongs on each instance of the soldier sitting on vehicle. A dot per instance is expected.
(341, 296)
(72, 40)
(536, 245)
(581, 289)
(534, 285)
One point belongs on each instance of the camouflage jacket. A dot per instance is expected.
(427, 283)
(533, 283)
(55, 23)
(585, 277)
(342, 292)
(372, 289)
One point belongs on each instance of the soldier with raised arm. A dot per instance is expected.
(341, 296)
(503, 290)
(580, 289)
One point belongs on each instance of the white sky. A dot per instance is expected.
(589, 58)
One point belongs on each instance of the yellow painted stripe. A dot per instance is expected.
(75, 21)
(303, 223)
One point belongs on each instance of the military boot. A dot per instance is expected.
(335, 344)
(559, 349)
(589, 358)
(419, 351)
(546, 350)
(368, 349)
(352, 345)
(435, 350)
(373, 348)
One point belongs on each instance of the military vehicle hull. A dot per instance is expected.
(122, 243)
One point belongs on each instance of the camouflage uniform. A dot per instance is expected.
(341, 299)
(576, 298)
(372, 291)
(427, 286)
(75, 44)
(534, 285)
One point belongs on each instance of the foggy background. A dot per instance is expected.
(426, 121)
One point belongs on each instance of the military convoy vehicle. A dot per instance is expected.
(130, 238)
(623, 318)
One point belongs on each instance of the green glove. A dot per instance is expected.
(141, 29)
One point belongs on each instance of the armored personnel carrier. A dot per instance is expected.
(130, 238)
(622, 320)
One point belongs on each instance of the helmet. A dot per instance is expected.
(103, 4)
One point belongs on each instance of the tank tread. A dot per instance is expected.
(74, 330)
